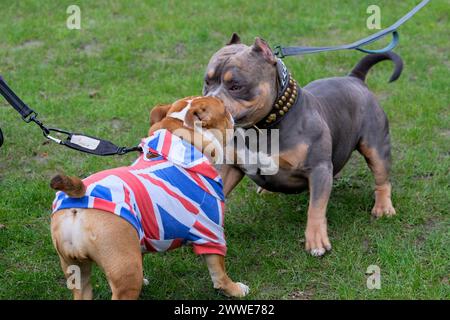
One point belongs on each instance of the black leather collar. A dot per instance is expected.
(288, 94)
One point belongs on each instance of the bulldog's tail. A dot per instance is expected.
(364, 65)
(73, 186)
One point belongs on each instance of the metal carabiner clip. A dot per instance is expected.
(58, 141)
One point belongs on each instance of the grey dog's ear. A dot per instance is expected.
(235, 39)
(261, 47)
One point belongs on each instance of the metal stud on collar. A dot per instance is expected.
(284, 102)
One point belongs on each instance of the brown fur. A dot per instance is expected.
(73, 186)
(294, 158)
(380, 169)
(208, 111)
(84, 236)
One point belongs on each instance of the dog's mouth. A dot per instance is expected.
(245, 120)
(240, 119)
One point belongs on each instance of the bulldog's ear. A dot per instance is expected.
(158, 113)
(235, 39)
(261, 47)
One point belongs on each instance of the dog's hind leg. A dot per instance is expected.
(120, 256)
(67, 233)
(125, 276)
(375, 146)
(78, 275)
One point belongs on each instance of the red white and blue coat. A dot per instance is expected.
(173, 199)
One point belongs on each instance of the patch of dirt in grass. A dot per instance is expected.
(429, 225)
(366, 245)
(424, 176)
(307, 294)
(383, 96)
(30, 44)
(41, 157)
(180, 50)
(92, 48)
(446, 133)
(116, 123)
(93, 94)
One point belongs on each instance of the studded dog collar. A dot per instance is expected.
(288, 94)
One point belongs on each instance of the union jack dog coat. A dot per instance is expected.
(172, 199)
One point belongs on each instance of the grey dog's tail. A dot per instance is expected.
(364, 65)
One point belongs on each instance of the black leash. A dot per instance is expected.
(282, 52)
(76, 141)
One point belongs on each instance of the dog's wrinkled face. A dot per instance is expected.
(244, 78)
(204, 112)
(203, 121)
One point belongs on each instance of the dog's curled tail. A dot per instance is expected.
(72, 186)
(364, 65)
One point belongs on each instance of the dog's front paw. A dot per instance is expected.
(383, 208)
(236, 290)
(261, 191)
(316, 238)
(245, 290)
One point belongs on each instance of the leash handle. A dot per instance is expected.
(76, 141)
(282, 52)
(88, 144)
(389, 47)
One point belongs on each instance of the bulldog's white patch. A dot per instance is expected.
(181, 115)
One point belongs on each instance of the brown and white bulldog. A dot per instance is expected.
(320, 125)
(170, 196)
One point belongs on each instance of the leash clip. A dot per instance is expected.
(47, 132)
(278, 52)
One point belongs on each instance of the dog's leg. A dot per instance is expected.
(114, 245)
(220, 279)
(84, 291)
(320, 183)
(123, 267)
(261, 191)
(125, 275)
(231, 176)
(378, 158)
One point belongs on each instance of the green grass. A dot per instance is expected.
(131, 55)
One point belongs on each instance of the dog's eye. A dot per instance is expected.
(235, 87)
